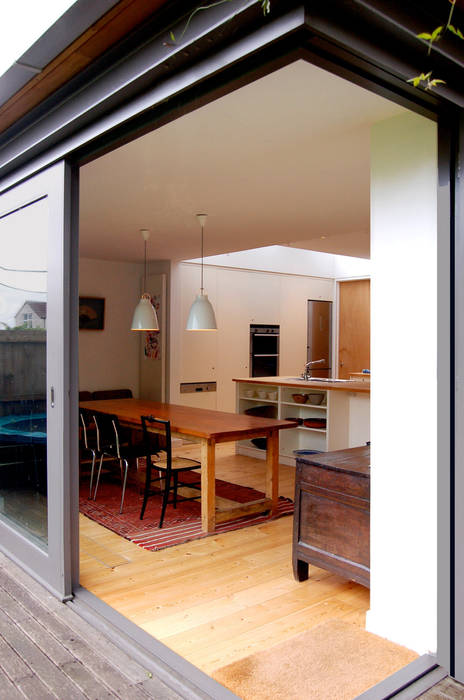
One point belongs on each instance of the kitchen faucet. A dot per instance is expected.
(306, 374)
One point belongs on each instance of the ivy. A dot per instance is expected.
(426, 80)
(265, 6)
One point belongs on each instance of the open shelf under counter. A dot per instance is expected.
(345, 407)
(256, 400)
(313, 430)
(320, 406)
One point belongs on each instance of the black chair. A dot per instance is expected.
(168, 466)
(88, 440)
(109, 444)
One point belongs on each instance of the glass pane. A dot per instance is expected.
(23, 343)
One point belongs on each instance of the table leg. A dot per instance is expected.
(208, 486)
(272, 468)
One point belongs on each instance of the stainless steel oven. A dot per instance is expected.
(264, 350)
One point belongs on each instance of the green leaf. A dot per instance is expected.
(171, 34)
(436, 33)
(266, 5)
(424, 35)
(456, 31)
(435, 82)
(422, 78)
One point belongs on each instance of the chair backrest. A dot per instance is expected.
(85, 396)
(112, 394)
(84, 420)
(108, 432)
(157, 435)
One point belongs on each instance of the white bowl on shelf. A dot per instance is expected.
(272, 395)
(249, 393)
(316, 399)
(262, 393)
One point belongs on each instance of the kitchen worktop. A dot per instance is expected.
(350, 385)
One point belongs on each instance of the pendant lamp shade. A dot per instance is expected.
(201, 316)
(145, 318)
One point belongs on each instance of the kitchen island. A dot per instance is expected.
(335, 416)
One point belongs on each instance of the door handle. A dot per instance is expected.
(52, 396)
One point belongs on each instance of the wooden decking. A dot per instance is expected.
(224, 597)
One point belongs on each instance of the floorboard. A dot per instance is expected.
(224, 597)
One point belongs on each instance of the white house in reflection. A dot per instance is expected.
(32, 314)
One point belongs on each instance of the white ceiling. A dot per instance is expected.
(284, 160)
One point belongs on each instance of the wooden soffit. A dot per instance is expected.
(102, 35)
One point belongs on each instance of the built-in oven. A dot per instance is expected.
(264, 350)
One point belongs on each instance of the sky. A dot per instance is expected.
(24, 261)
(23, 22)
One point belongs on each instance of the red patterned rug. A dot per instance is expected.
(181, 524)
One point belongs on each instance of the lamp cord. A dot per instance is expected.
(145, 268)
(201, 287)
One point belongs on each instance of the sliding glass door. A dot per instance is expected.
(34, 400)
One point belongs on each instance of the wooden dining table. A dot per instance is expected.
(208, 427)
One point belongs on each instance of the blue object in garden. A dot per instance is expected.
(33, 427)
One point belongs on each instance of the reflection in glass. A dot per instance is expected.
(23, 343)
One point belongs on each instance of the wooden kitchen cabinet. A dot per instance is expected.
(332, 514)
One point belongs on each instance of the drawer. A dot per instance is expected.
(333, 480)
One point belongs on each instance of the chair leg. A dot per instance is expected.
(147, 488)
(98, 477)
(94, 456)
(124, 482)
(176, 482)
(165, 497)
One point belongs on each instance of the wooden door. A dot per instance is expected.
(354, 327)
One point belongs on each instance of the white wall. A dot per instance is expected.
(404, 382)
(239, 297)
(109, 359)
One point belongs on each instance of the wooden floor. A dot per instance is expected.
(224, 597)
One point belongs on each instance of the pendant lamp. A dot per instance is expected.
(201, 316)
(145, 318)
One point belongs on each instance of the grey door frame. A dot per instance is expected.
(87, 133)
(51, 566)
(456, 513)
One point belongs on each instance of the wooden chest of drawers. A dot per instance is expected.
(332, 514)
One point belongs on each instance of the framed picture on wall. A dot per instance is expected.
(91, 313)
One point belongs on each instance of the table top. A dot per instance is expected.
(199, 422)
(354, 460)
